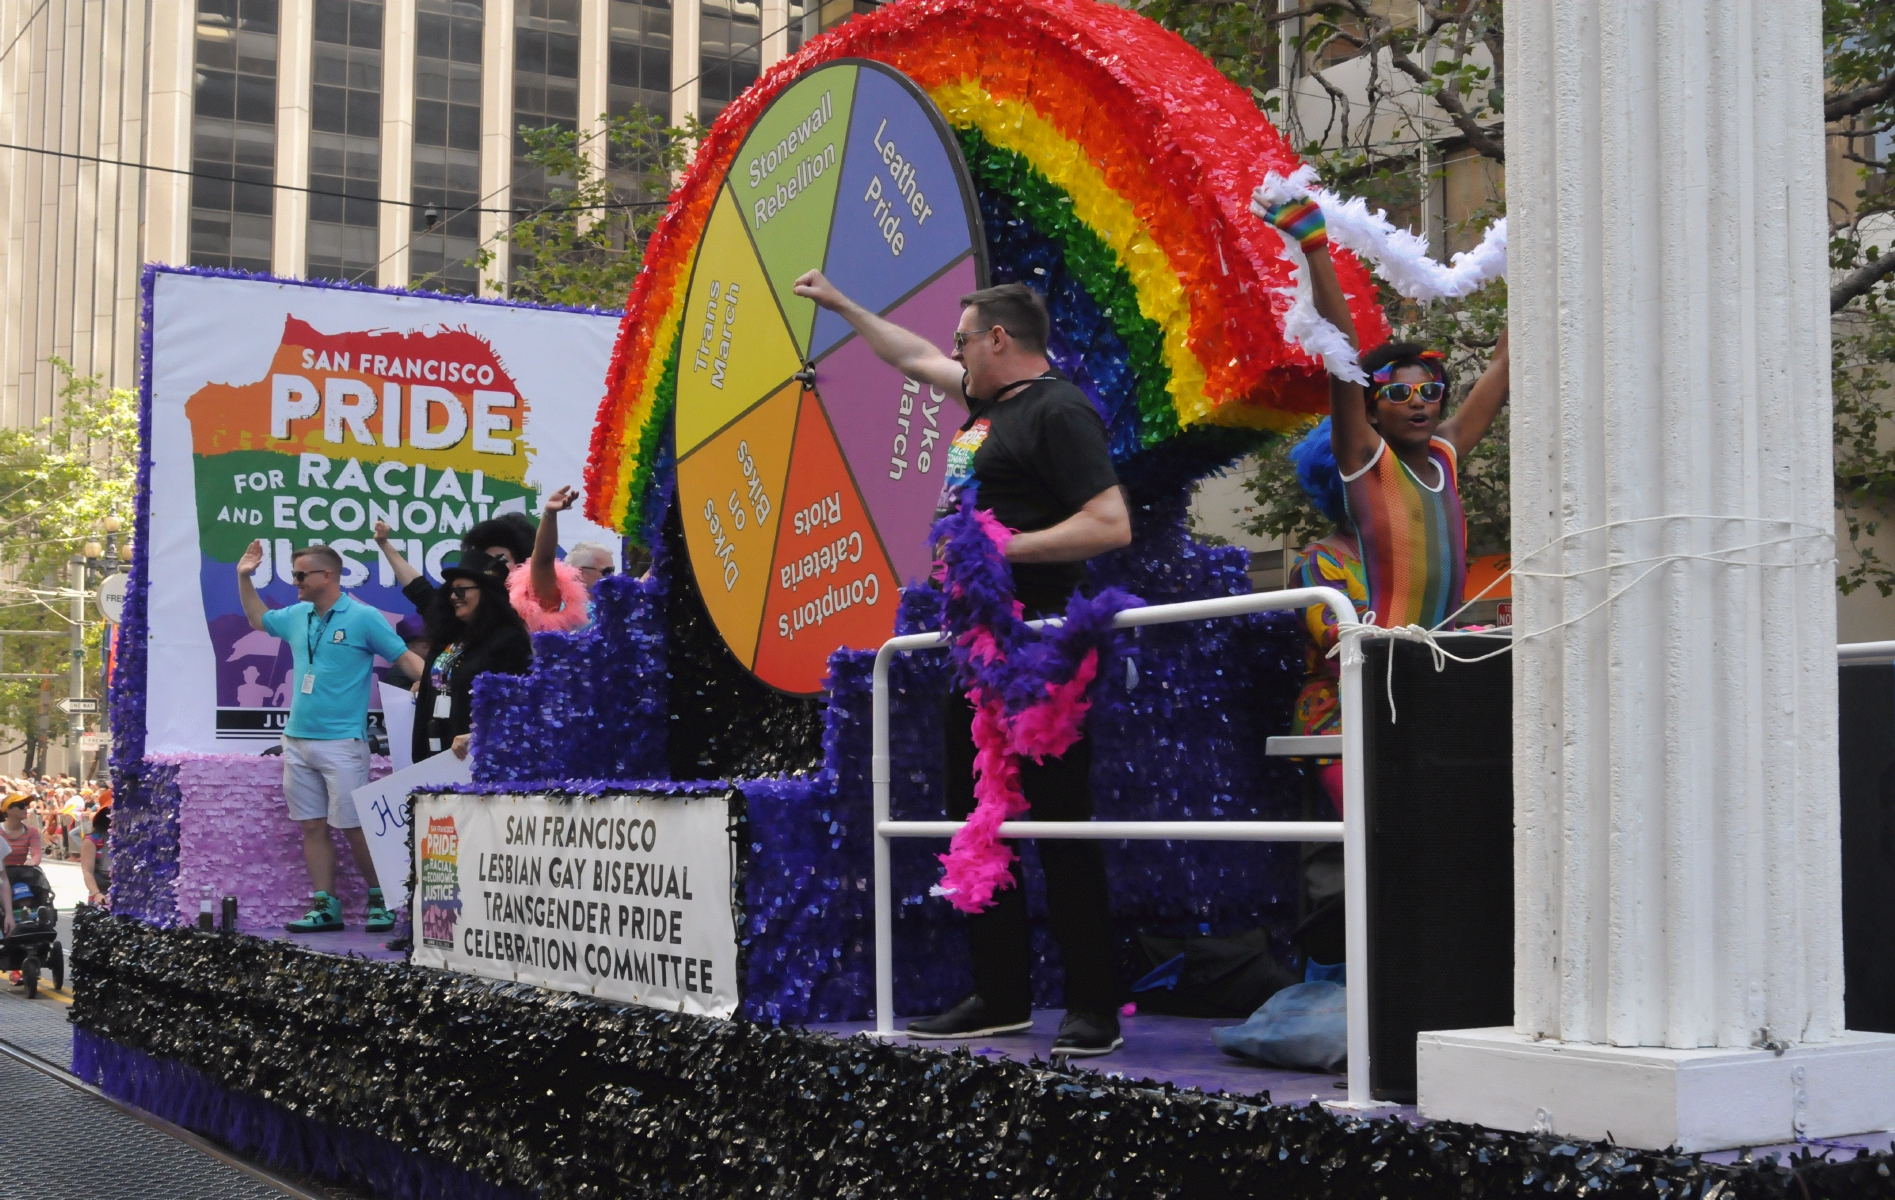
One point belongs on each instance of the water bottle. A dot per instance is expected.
(230, 914)
(204, 915)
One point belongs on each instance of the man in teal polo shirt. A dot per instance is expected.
(334, 641)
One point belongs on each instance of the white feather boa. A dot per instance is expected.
(1399, 257)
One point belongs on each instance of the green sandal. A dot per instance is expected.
(324, 916)
(379, 919)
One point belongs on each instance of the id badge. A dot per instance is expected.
(434, 745)
(443, 705)
(309, 682)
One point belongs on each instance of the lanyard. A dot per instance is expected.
(313, 641)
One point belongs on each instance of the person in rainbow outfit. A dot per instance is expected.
(1399, 458)
(1402, 532)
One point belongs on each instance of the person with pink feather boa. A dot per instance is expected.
(1033, 453)
(551, 596)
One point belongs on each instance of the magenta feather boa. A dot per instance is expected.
(1028, 688)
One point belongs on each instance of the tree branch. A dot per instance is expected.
(1479, 137)
(1860, 280)
(1847, 104)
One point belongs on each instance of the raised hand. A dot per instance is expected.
(814, 285)
(561, 500)
(382, 531)
(1302, 220)
(251, 560)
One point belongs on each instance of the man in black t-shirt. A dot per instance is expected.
(1037, 448)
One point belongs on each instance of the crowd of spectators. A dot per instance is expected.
(61, 808)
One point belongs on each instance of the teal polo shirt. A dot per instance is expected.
(340, 648)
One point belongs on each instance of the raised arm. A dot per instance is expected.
(1353, 438)
(546, 549)
(1102, 524)
(1477, 413)
(253, 606)
(907, 352)
(405, 572)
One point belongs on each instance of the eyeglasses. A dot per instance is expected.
(960, 337)
(596, 570)
(299, 576)
(462, 592)
(1430, 393)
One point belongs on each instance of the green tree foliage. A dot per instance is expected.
(1860, 63)
(584, 246)
(59, 482)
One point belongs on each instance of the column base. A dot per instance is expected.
(1650, 1097)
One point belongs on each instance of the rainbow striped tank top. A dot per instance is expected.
(1413, 536)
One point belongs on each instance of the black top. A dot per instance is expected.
(1038, 453)
(508, 650)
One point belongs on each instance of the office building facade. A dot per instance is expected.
(374, 141)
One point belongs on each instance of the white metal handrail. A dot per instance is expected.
(1349, 831)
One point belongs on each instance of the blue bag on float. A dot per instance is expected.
(1304, 1027)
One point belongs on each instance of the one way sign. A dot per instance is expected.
(74, 706)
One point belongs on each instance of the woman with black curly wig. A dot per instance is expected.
(472, 629)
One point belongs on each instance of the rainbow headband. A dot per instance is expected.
(1071, 105)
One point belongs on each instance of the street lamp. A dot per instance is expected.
(103, 559)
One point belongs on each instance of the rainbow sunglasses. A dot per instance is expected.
(1398, 393)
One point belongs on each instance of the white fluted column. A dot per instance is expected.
(1676, 862)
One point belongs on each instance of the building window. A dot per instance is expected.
(730, 54)
(233, 134)
(447, 146)
(345, 141)
(639, 72)
(545, 87)
(799, 20)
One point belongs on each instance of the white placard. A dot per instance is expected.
(292, 413)
(383, 808)
(622, 896)
(398, 717)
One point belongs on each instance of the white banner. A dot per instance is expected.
(292, 413)
(383, 809)
(626, 897)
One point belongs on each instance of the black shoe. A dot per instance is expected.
(972, 1017)
(1086, 1034)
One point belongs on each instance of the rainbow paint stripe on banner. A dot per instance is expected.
(1072, 105)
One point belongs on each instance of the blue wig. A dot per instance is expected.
(1316, 470)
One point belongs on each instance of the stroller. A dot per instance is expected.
(34, 943)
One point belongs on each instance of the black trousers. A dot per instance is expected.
(1077, 901)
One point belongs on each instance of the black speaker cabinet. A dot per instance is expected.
(1867, 736)
(1439, 809)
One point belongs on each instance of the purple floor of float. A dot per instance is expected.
(1174, 1050)
(352, 940)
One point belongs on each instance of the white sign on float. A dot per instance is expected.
(626, 897)
(383, 809)
(290, 414)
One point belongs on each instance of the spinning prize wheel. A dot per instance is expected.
(808, 470)
(1112, 168)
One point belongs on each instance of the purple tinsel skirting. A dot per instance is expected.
(262, 1131)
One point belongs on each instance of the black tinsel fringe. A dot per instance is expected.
(570, 1097)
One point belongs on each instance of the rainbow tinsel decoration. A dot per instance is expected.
(1118, 142)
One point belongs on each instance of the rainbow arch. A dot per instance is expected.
(1127, 144)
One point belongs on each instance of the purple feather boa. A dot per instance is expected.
(1028, 687)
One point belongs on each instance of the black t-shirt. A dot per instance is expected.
(1038, 453)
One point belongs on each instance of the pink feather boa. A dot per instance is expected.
(575, 605)
(978, 863)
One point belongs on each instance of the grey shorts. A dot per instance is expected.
(320, 778)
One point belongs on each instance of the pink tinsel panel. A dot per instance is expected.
(235, 838)
(573, 598)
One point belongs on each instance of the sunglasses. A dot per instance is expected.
(463, 591)
(1399, 393)
(299, 576)
(960, 338)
